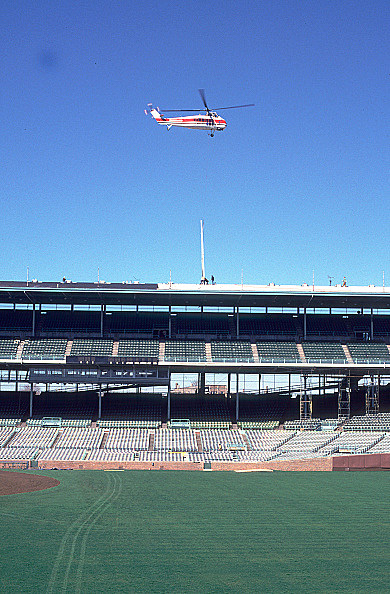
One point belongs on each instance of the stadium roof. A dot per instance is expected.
(217, 295)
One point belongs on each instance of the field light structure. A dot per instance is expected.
(203, 280)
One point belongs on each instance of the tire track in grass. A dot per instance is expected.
(87, 523)
(80, 567)
(74, 526)
(79, 528)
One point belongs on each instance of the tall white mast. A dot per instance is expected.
(202, 250)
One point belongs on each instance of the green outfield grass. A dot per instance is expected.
(167, 531)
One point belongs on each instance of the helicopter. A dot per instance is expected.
(209, 121)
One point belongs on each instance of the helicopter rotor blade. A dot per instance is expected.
(203, 97)
(235, 106)
(207, 109)
(177, 110)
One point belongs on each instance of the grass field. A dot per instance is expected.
(167, 531)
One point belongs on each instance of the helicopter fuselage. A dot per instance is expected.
(210, 122)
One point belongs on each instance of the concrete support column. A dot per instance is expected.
(202, 383)
(31, 399)
(33, 320)
(304, 323)
(100, 403)
(237, 397)
(170, 322)
(228, 383)
(372, 324)
(259, 383)
(169, 399)
(102, 310)
(238, 322)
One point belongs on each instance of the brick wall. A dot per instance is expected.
(316, 464)
(115, 465)
(355, 462)
(362, 462)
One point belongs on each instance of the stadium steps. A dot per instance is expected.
(246, 441)
(198, 441)
(208, 352)
(115, 348)
(255, 353)
(161, 353)
(68, 348)
(301, 353)
(347, 353)
(6, 442)
(151, 442)
(57, 437)
(103, 442)
(20, 349)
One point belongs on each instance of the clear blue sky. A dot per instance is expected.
(300, 182)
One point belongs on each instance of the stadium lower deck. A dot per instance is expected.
(178, 445)
(134, 428)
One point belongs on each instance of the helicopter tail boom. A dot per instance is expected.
(155, 113)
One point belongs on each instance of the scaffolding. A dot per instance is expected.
(305, 399)
(344, 399)
(372, 395)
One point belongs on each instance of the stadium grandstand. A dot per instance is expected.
(168, 372)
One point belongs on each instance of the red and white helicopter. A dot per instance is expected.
(209, 121)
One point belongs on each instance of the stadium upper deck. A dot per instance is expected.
(212, 339)
(213, 295)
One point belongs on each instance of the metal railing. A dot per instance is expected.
(179, 359)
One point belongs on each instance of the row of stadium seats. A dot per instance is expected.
(195, 350)
(187, 324)
(378, 422)
(79, 444)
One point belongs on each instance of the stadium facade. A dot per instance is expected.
(123, 337)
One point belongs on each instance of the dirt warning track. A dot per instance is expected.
(18, 482)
